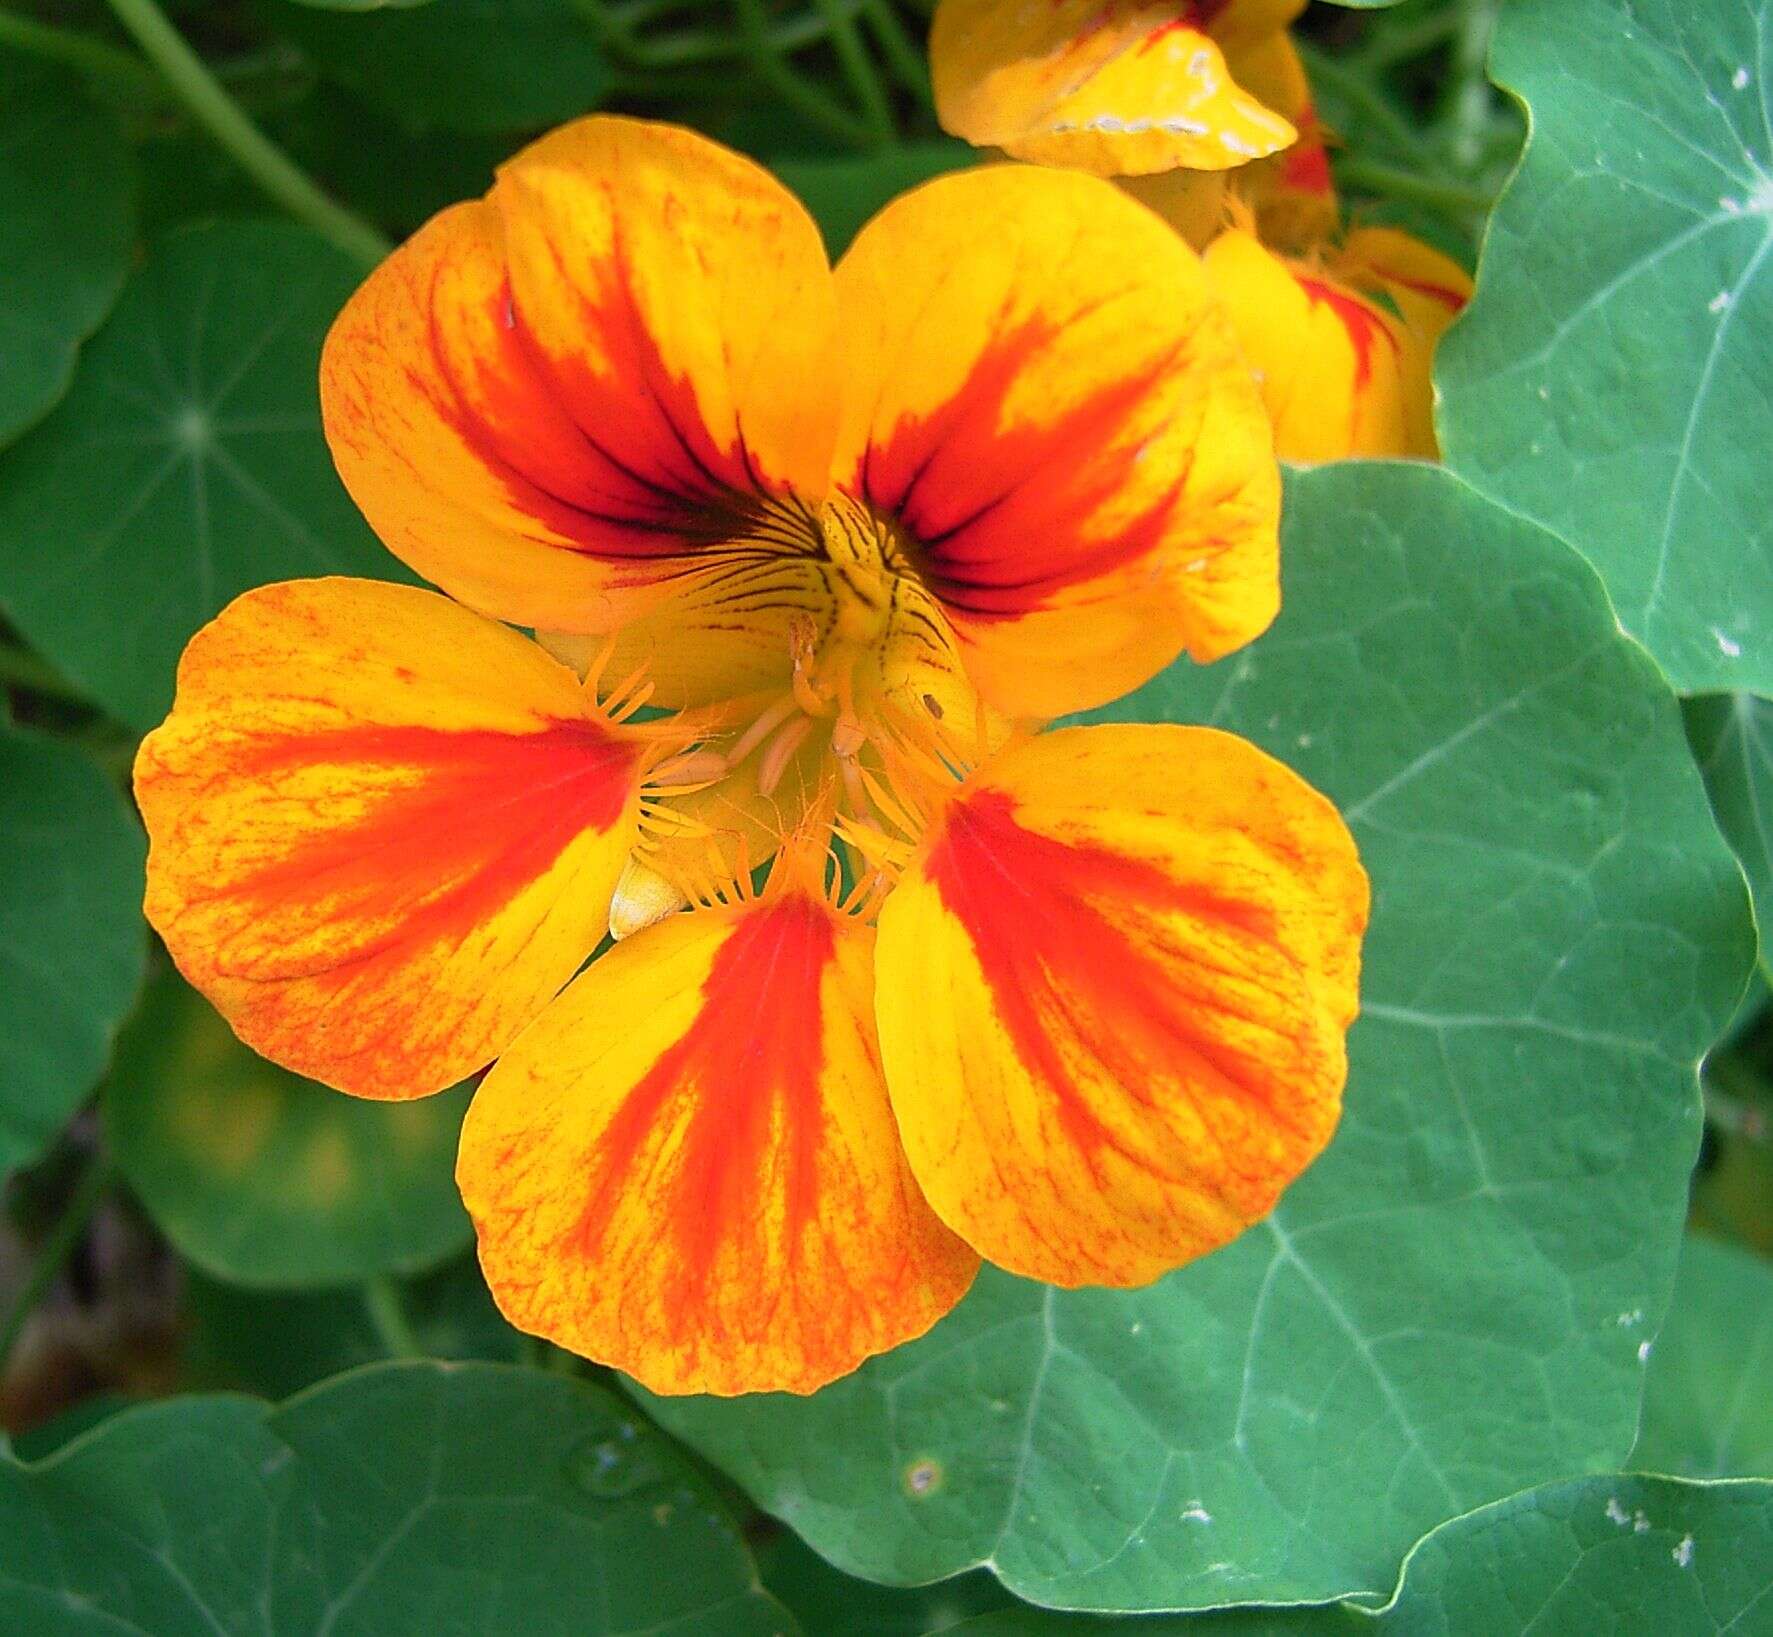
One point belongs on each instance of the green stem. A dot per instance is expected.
(95, 57)
(1369, 176)
(764, 53)
(1469, 113)
(197, 88)
(63, 1238)
(858, 68)
(900, 50)
(19, 669)
(1361, 97)
(387, 1313)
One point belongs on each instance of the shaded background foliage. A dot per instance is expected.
(1424, 1377)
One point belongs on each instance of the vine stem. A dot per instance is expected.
(80, 51)
(190, 80)
(387, 1313)
(89, 1192)
(1397, 183)
(19, 669)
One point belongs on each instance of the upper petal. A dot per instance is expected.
(1044, 396)
(1112, 998)
(1114, 87)
(383, 830)
(558, 402)
(688, 1169)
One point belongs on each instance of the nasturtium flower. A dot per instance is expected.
(1341, 331)
(1113, 87)
(1073, 1001)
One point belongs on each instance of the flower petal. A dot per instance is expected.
(1345, 353)
(384, 831)
(560, 402)
(688, 1169)
(1043, 394)
(1113, 87)
(1112, 998)
(1332, 362)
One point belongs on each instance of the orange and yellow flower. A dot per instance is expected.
(1169, 96)
(1075, 1002)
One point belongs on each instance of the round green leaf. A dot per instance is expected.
(264, 1178)
(1452, 1303)
(1708, 1399)
(1610, 379)
(1733, 738)
(72, 941)
(463, 65)
(1607, 1554)
(67, 219)
(400, 1501)
(185, 466)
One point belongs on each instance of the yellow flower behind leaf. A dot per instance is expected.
(855, 533)
(1341, 333)
(1342, 345)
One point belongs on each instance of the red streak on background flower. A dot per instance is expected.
(1363, 327)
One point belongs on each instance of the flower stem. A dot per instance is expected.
(901, 52)
(858, 68)
(190, 80)
(80, 51)
(89, 1192)
(387, 1313)
(1397, 183)
(19, 669)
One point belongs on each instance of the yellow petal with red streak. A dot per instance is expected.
(601, 384)
(1113, 991)
(1332, 363)
(1044, 398)
(1113, 87)
(688, 1168)
(384, 831)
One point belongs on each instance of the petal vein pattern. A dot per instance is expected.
(688, 1168)
(384, 831)
(1136, 952)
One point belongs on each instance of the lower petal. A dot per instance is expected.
(1113, 995)
(384, 831)
(688, 1168)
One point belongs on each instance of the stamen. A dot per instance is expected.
(761, 729)
(774, 762)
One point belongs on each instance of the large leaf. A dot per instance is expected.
(1733, 739)
(1606, 1554)
(406, 1499)
(1611, 378)
(1708, 1399)
(467, 65)
(67, 220)
(264, 1178)
(72, 941)
(1453, 1303)
(185, 466)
